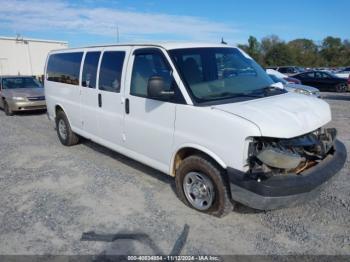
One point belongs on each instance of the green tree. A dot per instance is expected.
(346, 53)
(279, 54)
(304, 52)
(253, 49)
(269, 42)
(272, 51)
(331, 50)
(276, 52)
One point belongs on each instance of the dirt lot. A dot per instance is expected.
(50, 195)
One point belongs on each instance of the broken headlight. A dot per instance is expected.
(273, 155)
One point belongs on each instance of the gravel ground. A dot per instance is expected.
(50, 195)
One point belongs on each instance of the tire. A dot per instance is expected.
(219, 204)
(64, 131)
(340, 88)
(7, 109)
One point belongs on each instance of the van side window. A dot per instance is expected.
(111, 71)
(90, 69)
(64, 68)
(145, 66)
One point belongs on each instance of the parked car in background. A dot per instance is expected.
(21, 93)
(296, 88)
(289, 70)
(324, 81)
(289, 79)
(345, 73)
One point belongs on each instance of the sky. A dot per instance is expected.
(88, 22)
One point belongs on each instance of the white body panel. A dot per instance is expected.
(89, 111)
(111, 114)
(68, 98)
(283, 116)
(154, 131)
(214, 132)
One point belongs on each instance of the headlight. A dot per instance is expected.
(18, 98)
(302, 91)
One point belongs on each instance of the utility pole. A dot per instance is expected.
(117, 33)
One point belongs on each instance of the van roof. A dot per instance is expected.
(165, 45)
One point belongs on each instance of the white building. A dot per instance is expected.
(24, 56)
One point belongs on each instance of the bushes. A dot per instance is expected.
(272, 51)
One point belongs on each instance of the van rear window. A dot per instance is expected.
(64, 68)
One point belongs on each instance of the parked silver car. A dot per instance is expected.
(296, 88)
(21, 93)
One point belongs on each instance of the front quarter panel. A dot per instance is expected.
(221, 135)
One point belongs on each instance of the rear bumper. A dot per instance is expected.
(16, 106)
(286, 190)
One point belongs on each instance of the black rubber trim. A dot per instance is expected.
(255, 201)
(291, 184)
(147, 50)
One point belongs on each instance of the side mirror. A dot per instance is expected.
(157, 88)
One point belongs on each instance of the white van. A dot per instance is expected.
(205, 114)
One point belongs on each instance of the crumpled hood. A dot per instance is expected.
(282, 116)
(23, 92)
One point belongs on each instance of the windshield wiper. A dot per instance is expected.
(234, 95)
(269, 90)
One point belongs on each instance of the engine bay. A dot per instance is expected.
(273, 156)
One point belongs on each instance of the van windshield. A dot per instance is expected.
(214, 74)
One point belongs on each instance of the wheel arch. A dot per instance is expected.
(191, 149)
(58, 108)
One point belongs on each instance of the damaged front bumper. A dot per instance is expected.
(286, 189)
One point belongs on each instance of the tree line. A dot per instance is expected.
(273, 51)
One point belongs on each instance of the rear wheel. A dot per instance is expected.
(340, 88)
(64, 131)
(7, 109)
(201, 185)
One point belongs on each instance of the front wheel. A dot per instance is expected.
(64, 131)
(7, 109)
(201, 185)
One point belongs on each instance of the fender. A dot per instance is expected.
(64, 110)
(199, 148)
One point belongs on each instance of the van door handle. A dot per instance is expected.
(127, 106)
(99, 100)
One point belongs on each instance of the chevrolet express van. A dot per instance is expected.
(205, 114)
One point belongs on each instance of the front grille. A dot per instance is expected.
(36, 98)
